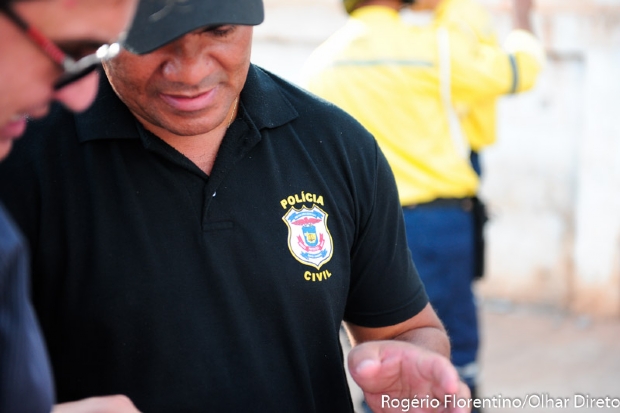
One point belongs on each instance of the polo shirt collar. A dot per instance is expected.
(109, 118)
(263, 100)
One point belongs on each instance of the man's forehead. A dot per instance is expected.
(78, 21)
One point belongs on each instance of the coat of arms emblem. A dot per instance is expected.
(309, 239)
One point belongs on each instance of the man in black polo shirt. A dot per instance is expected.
(202, 231)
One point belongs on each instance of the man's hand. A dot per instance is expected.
(107, 404)
(388, 370)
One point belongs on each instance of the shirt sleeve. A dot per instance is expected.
(385, 287)
(481, 71)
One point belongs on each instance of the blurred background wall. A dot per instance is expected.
(552, 181)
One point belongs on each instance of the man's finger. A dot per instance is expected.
(395, 366)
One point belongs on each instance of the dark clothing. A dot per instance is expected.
(25, 377)
(194, 293)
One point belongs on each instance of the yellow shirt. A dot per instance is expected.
(386, 74)
(478, 122)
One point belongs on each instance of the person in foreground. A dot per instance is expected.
(46, 54)
(200, 233)
(427, 94)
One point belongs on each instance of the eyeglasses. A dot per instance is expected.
(73, 69)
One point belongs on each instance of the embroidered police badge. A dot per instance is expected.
(309, 239)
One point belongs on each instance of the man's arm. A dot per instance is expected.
(480, 72)
(521, 15)
(406, 361)
(424, 329)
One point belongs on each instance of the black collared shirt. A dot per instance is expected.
(195, 293)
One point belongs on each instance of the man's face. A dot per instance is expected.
(27, 74)
(187, 87)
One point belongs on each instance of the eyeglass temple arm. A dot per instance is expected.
(36, 36)
(48, 47)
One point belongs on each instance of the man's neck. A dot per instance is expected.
(200, 149)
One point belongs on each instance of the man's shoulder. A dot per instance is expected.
(324, 130)
(313, 111)
(472, 19)
(275, 87)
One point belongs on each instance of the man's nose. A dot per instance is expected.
(187, 62)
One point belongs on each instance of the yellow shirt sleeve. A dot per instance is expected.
(481, 71)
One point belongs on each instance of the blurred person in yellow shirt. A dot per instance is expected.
(478, 122)
(427, 94)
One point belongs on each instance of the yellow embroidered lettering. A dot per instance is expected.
(317, 276)
(303, 197)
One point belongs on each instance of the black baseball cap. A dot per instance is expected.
(158, 22)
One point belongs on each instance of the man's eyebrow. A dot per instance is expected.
(216, 26)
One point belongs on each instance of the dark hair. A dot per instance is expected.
(6, 3)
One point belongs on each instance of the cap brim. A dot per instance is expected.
(158, 22)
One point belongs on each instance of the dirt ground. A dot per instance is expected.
(551, 356)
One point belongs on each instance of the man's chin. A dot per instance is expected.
(13, 129)
(5, 148)
(8, 133)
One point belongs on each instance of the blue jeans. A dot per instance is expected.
(441, 242)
